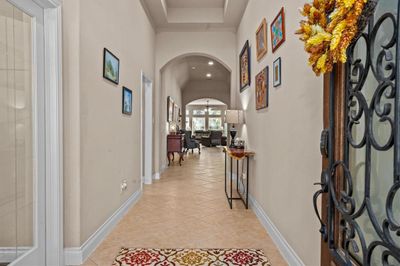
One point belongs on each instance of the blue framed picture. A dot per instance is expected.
(110, 67)
(126, 101)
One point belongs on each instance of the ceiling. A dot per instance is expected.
(196, 68)
(181, 15)
(189, 74)
(199, 68)
(206, 101)
(195, 3)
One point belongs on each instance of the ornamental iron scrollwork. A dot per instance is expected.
(372, 66)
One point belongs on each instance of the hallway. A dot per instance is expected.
(187, 208)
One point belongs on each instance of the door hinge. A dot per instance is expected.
(324, 142)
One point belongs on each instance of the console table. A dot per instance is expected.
(175, 144)
(237, 155)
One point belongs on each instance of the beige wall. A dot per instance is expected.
(101, 144)
(285, 136)
(172, 87)
(220, 46)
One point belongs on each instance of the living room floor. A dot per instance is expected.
(187, 208)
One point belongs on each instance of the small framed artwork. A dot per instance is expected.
(244, 59)
(262, 89)
(261, 40)
(126, 101)
(278, 30)
(277, 72)
(110, 67)
(170, 109)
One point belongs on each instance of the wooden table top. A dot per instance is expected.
(238, 153)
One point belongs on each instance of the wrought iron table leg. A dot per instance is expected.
(226, 193)
(237, 176)
(231, 196)
(247, 184)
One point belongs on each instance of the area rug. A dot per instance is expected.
(190, 257)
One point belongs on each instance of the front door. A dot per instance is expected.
(360, 181)
(22, 134)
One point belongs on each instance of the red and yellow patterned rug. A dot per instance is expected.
(190, 257)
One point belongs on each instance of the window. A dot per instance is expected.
(187, 112)
(215, 123)
(215, 112)
(199, 112)
(198, 123)
(187, 123)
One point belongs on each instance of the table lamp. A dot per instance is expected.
(234, 117)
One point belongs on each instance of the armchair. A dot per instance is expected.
(216, 138)
(190, 143)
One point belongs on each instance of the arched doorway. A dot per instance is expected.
(183, 79)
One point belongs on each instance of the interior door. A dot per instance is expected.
(22, 131)
(360, 181)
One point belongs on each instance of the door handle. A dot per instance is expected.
(324, 189)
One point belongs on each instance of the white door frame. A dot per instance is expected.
(54, 240)
(54, 132)
(146, 130)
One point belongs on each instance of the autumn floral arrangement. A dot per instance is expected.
(330, 27)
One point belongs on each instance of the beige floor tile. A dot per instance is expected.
(187, 208)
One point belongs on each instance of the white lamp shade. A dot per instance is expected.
(234, 117)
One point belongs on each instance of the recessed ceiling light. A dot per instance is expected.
(210, 63)
(193, 67)
(208, 75)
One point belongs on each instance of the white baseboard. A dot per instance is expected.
(78, 255)
(156, 176)
(286, 250)
(9, 254)
(148, 180)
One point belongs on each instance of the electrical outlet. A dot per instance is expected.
(124, 185)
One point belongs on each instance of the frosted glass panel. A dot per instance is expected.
(16, 141)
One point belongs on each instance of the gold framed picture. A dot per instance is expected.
(262, 89)
(261, 40)
(170, 109)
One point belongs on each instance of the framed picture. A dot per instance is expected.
(261, 40)
(126, 101)
(244, 60)
(170, 109)
(262, 89)
(277, 72)
(176, 113)
(278, 30)
(110, 67)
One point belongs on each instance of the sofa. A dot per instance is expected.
(210, 138)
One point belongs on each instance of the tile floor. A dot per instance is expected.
(187, 208)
